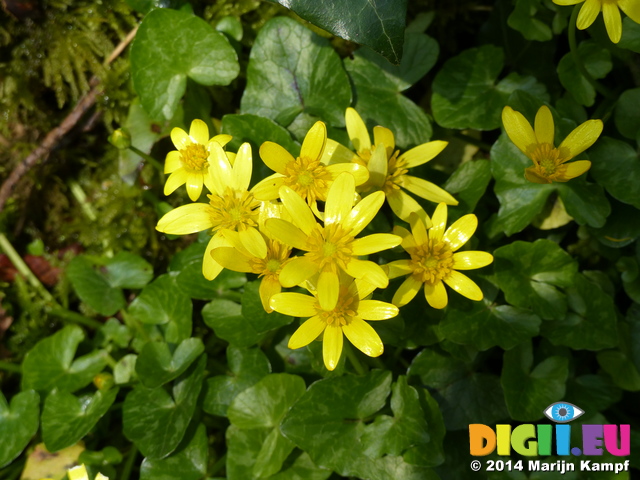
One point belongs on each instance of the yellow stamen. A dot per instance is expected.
(343, 312)
(308, 177)
(547, 159)
(233, 210)
(395, 170)
(277, 254)
(194, 157)
(432, 262)
(330, 247)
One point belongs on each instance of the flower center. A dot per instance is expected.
(395, 170)
(330, 247)
(344, 311)
(234, 210)
(547, 159)
(308, 177)
(194, 157)
(277, 255)
(363, 157)
(432, 261)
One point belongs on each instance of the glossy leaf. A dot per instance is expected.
(18, 424)
(225, 318)
(93, 288)
(616, 166)
(127, 270)
(597, 61)
(157, 364)
(254, 313)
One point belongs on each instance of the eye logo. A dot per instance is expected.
(562, 412)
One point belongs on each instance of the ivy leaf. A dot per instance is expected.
(597, 61)
(18, 423)
(225, 318)
(379, 25)
(157, 365)
(170, 47)
(616, 166)
(528, 390)
(50, 364)
(66, 418)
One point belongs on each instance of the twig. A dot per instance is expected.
(53, 138)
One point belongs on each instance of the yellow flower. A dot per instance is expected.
(388, 169)
(333, 247)
(610, 11)
(549, 162)
(335, 313)
(189, 164)
(230, 207)
(80, 473)
(434, 259)
(309, 175)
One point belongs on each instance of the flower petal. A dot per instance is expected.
(172, 162)
(286, 232)
(403, 205)
(461, 231)
(300, 212)
(222, 139)
(210, 268)
(544, 127)
(376, 242)
(328, 290)
(357, 131)
(360, 173)
(464, 285)
(376, 310)
(336, 153)
(180, 138)
(471, 259)
(631, 8)
(407, 291)
(314, 140)
(422, 153)
(408, 242)
(194, 185)
(332, 346)
(369, 271)
(296, 271)
(418, 230)
(567, 2)
(573, 170)
(439, 220)
(269, 286)
(268, 189)
(398, 268)
(242, 167)
(363, 213)
(275, 157)
(253, 241)
(78, 473)
(582, 137)
(177, 178)
(307, 332)
(518, 129)
(219, 168)
(427, 190)
(588, 13)
(339, 199)
(186, 219)
(612, 21)
(378, 167)
(385, 136)
(363, 337)
(199, 132)
(436, 295)
(231, 259)
(294, 304)
(533, 176)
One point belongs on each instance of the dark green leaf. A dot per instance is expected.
(254, 313)
(594, 393)
(257, 130)
(630, 35)
(616, 167)
(621, 228)
(585, 202)
(622, 370)
(528, 390)
(145, 6)
(302, 468)
(596, 59)
(66, 418)
(156, 421)
(49, 364)
(627, 113)
(226, 320)
(127, 270)
(157, 364)
(161, 62)
(93, 288)
(468, 184)
(18, 423)
(524, 20)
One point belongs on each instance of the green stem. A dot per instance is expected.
(81, 197)
(128, 466)
(351, 355)
(573, 46)
(148, 158)
(73, 317)
(219, 465)
(10, 367)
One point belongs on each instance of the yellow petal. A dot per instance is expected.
(286, 232)
(180, 138)
(407, 291)
(376, 242)
(357, 131)
(210, 268)
(275, 157)
(231, 259)
(253, 242)
(339, 199)
(404, 205)
(378, 167)
(436, 295)
(219, 168)
(335, 153)
(361, 288)
(363, 213)
(464, 285)
(382, 135)
(567, 2)
(242, 166)
(398, 268)
(423, 153)
(221, 139)
(582, 137)
(328, 290)
(533, 176)
(631, 8)
(471, 259)
(300, 212)
(332, 346)
(296, 271)
(172, 162)
(186, 219)
(408, 242)
(518, 129)
(573, 170)
(268, 189)
(544, 127)
(376, 310)
(460, 231)
(314, 140)
(612, 21)
(307, 332)
(294, 304)
(199, 132)
(427, 190)
(588, 13)
(363, 337)
(269, 286)
(439, 220)
(194, 185)
(78, 473)
(418, 230)
(177, 178)
(369, 271)
(360, 173)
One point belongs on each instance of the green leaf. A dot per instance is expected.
(49, 364)
(257, 130)
(157, 364)
(528, 273)
(66, 419)
(292, 72)
(113, 332)
(378, 86)
(93, 288)
(232, 26)
(468, 184)
(596, 60)
(585, 202)
(379, 25)
(616, 166)
(464, 396)
(621, 228)
(188, 462)
(594, 393)
(591, 323)
(528, 390)
(622, 370)
(302, 468)
(161, 62)
(225, 318)
(247, 367)
(157, 421)
(630, 35)
(627, 113)
(18, 423)
(524, 20)
(145, 6)
(127, 270)
(465, 93)
(254, 313)
(125, 370)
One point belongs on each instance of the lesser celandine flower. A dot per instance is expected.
(434, 260)
(230, 207)
(333, 247)
(189, 164)
(336, 314)
(306, 175)
(538, 144)
(388, 169)
(610, 11)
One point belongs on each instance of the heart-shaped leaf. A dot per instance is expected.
(157, 365)
(18, 423)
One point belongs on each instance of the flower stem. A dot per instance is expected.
(81, 197)
(573, 46)
(73, 317)
(10, 367)
(357, 365)
(128, 465)
(148, 158)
